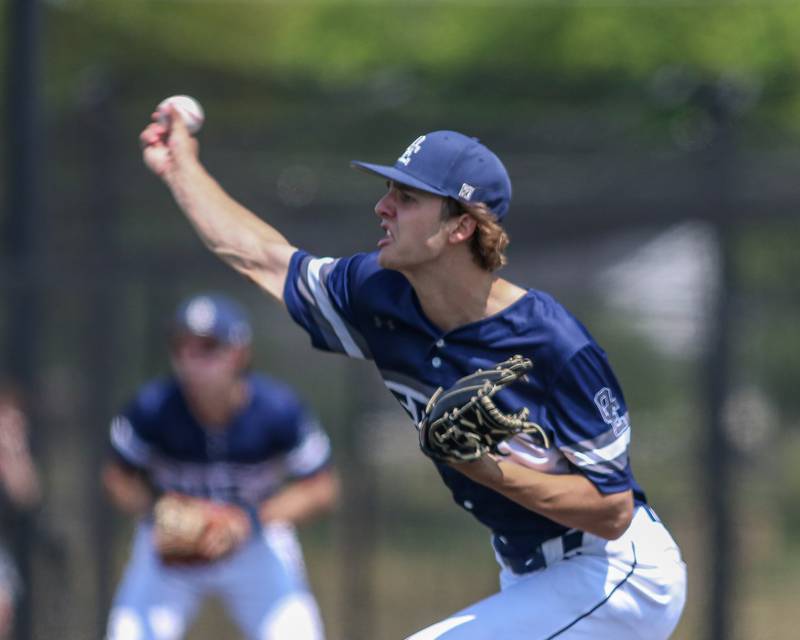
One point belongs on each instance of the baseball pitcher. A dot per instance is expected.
(512, 398)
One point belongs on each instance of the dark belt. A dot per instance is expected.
(557, 549)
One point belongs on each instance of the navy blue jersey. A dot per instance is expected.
(352, 305)
(272, 440)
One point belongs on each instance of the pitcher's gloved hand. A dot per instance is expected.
(463, 423)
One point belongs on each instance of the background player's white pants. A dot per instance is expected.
(633, 588)
(262, 586)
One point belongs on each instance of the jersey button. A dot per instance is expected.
(467, 504)
(440, 343)
(436, 362)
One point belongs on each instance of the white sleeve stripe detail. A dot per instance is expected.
(312, 452)
(604, 468)
(323, 302)
(605, 471)
(127, 443)
(608, 453)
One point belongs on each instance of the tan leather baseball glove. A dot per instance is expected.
(190, 530)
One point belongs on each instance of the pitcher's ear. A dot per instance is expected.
(463, 228)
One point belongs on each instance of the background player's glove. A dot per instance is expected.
(189, 530)
(462, 423)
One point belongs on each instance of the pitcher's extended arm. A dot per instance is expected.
(230, 230)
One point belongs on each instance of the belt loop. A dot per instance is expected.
(553, 550)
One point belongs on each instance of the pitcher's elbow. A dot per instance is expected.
(617, 519)
(619, 522)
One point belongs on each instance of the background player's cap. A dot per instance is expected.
(214, 316)
(449, 163)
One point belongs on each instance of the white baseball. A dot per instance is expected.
(188, 108)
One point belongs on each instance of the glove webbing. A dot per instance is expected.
(512, 424)
(516, 422)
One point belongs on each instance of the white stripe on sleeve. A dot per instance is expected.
(127, 443)
(607, 454)
(325, 306)
(310, 454)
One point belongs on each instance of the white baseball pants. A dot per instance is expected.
(633, 588)
(262, 586)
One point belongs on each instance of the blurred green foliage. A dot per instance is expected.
(485, 49)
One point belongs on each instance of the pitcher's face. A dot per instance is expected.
(414, 232)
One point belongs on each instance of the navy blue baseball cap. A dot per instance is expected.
(450, 164)
(214, 316)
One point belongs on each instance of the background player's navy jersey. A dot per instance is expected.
(352, 305)
(273, 439)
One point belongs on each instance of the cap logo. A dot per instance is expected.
(201, 315)
(414, 147)
(466, 191)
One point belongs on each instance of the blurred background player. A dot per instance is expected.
(216, 430)
(20, 493)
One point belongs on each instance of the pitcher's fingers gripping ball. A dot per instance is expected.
(463, 423)
(187, 107)
(189, 530)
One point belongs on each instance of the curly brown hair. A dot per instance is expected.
(489, 242)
